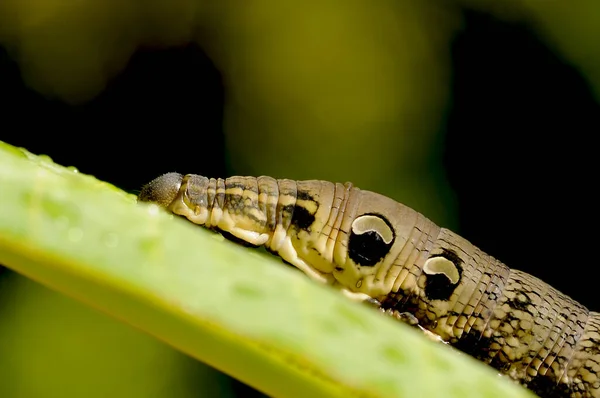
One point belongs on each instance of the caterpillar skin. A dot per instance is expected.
(375, 249)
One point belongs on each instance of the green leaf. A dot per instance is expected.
(239, 310)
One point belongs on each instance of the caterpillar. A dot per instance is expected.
(379, 251)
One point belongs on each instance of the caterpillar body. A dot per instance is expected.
(375, 249)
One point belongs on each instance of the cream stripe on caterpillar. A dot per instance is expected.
(375, 249)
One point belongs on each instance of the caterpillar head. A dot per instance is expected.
(162, 190)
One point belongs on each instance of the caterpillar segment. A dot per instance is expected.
(376, 250)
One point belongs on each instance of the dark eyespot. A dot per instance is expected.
(444, 272)
(371, 238)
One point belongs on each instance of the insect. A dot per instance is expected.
(377, 250)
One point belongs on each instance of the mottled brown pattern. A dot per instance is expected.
(428, 275)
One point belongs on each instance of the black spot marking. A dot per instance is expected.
(369, 248)
(438, 286)
(302, 219)
(546, 386)
(304, 195)
(475, 345)
(520, 304)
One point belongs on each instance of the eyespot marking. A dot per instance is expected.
(442, 266)
(373, 223)
(443, 272)
(371, 237)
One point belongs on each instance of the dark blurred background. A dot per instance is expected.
(490, 135)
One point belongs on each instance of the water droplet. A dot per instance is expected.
(75, 234)
(73, 169)
(393, 354)
(45, 158)
(153, 209)
(111, 240)
(247, 291)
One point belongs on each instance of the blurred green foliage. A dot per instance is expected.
(357, 89)
(55, 347)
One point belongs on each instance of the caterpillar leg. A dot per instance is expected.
(355, 296)
(251, 237)
(282, 246)
(405, 317)
(411, 320)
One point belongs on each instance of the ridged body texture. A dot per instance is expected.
(375, 249)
